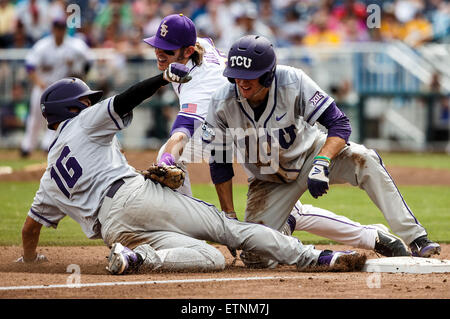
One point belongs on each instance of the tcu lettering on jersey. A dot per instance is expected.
(241, 61)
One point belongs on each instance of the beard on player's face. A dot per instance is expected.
(163, 59)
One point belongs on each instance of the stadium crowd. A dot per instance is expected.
(121, 24)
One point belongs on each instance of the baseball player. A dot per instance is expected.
(50, 59)
(267, 115)
(88, 179)
(176, 41)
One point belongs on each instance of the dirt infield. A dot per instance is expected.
(236, 282)
(50, 280)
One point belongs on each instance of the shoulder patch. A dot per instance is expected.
(317, 97)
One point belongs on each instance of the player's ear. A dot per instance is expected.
(188, 51)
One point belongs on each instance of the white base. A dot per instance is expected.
(411, 265)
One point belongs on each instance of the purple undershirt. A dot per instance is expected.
(185, 124)
(336, 122)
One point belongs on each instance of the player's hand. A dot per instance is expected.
(166, 159)
(232, 215)
(177, 72)
(318, 178)
(39, 259)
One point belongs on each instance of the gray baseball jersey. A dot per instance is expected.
(81, 166)
(85, 160)
(295, 103)
(277, 151)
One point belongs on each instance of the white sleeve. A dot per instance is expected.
(101, 122)
(314, 101)
(194, 98)
(34, 56)
(43, 211)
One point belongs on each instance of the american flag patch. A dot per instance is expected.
(189, 108)
(317, 97)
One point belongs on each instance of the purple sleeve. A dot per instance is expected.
(336, 122)
(185, 124)
(221, 172)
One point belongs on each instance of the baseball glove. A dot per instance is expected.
(168, 175)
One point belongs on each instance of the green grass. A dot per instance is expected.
(429, 204)
(422, 160)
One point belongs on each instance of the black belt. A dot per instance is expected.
(115, 187)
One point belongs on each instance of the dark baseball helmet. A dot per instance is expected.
(251, 57)
(64, 94)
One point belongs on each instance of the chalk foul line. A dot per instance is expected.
(146, 282)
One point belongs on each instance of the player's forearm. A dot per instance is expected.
(175, 144)
(333, 145)
(35, 79)
(30, 238)
(126, 101)
(225, 193)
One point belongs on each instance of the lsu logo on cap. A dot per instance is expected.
(164, 30)
(241, 61)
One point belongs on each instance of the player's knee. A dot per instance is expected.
(215, 259)
(364, 157)
(218, 261)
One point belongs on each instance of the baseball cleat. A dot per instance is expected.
(423, 247)
(289, 226)
(389, 245)
(341, 260)
(122, 259)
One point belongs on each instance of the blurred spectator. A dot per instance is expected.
(439, 17)
(405, 10)
(148, 10)
(7, 22)
(246, 22)
(13, 113)
(353, 30)
(198, 7)
(319, 33)
(134, 49)
(292, 30)
(34, 15)
(57, 9)
(113, 21)
(350, 9)
(390, 28)
(20, 39)
(417, 30)
(208, 24)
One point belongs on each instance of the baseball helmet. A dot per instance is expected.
(175, 31)
(64, 94)
(251, 57)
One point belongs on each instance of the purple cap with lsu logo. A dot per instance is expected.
(174, 32)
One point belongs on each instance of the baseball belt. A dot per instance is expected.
(107, 201)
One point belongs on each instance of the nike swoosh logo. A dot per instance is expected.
(279, 118)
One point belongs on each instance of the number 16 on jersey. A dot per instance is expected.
(70, 172)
